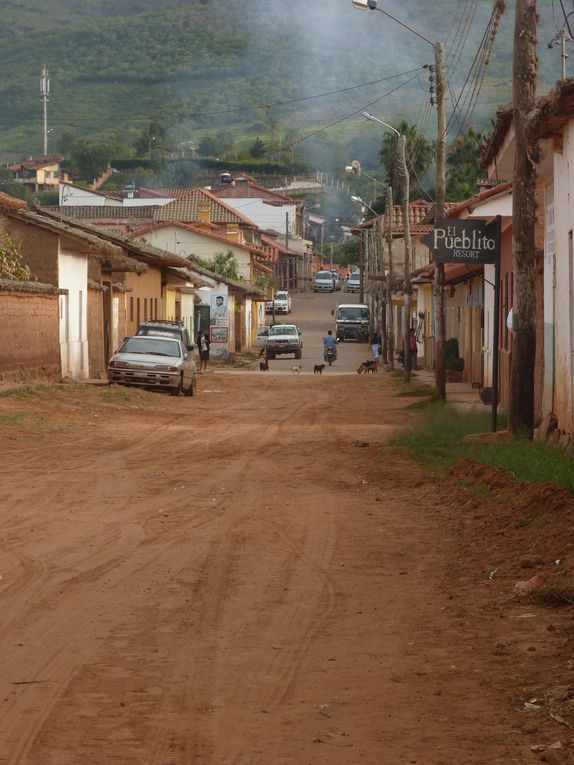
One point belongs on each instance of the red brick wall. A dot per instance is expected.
(29, 336)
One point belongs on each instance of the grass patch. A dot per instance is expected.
(115, 394)
(436, 441)
(417, 390)
(14, 420)
(27, 391)
(557, 593)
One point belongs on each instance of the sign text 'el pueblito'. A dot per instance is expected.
(464, 241)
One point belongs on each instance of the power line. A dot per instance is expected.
(347, 116)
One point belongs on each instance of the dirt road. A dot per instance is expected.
(244, 578)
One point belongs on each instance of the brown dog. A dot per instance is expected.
(368, 366)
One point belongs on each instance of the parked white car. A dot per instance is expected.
(324, 282)
(148, 361)
(281, 303)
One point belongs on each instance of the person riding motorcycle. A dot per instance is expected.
(329, 342)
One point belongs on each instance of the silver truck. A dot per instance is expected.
(352, 321)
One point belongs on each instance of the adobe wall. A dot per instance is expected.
(39, 248)
(29, 334)
(96, 333)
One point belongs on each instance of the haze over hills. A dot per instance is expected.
(203, 65)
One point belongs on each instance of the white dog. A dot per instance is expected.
(297, 370)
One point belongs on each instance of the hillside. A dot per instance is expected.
(202, 65)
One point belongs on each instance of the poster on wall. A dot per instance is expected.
(219, 308)
(219, 334)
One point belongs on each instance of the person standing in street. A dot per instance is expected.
(376, 342)
(413, 349)
(203, 352)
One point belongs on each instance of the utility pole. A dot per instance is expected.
(44, 93)
(390, 329)
(524, 77)
(440, 333)
(405, 191)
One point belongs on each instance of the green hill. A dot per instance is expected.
(204, 65)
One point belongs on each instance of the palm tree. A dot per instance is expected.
(419, 154)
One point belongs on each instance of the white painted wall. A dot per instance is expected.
(564, 281)
(73, 276)
(549, 288)
(185, 243)
(71, 196)
(264, 214)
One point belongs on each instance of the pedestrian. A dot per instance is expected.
(413, 349)
(376, 342)
(204, 345)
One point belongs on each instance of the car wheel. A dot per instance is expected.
(191, 391)
(298, 354)
(177, 391)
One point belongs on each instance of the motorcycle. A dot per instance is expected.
(330, 355)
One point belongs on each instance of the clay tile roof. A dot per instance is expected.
(11, 203)
(145, 193)
(187, 209)
(104, 212)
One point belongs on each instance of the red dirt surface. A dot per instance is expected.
(252, 577)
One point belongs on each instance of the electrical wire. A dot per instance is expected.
(566, 19)
(347, 116)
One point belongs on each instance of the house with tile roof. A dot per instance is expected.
(39, 174)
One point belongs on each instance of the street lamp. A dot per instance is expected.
(356, 169)
(405, 193)
(362, 251)
(438, 49)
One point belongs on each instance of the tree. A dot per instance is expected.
(92, 157)
(463, 170)
(524, 78)
(257, 150)
(11, 265)
(208, 146)
(419, 153)
(9, 186)
(225, 264)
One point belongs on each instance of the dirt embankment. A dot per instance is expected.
(252, 578)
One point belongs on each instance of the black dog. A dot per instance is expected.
(318, 369)
(263, 366)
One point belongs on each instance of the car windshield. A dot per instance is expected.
(324, 275)
(160, 332)
(281, 330)
(155, 346)
(354, 278)
(353, 312)
(281, 296)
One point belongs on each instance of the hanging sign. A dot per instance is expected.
(464, 241)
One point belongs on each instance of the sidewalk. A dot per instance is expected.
(456, 393)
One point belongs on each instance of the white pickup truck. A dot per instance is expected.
(282, 302)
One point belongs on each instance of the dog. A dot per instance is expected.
(263, 366)
(368, 366)
(318, 369)
(297, 370)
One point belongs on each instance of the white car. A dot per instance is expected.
(354, 282)
(324, 282)
(284, 338)
(261, 336)
(148, 361)
(281, 303)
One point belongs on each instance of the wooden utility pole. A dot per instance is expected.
(405, 192)
(524, 77)
(390, 324)
(440, 331)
